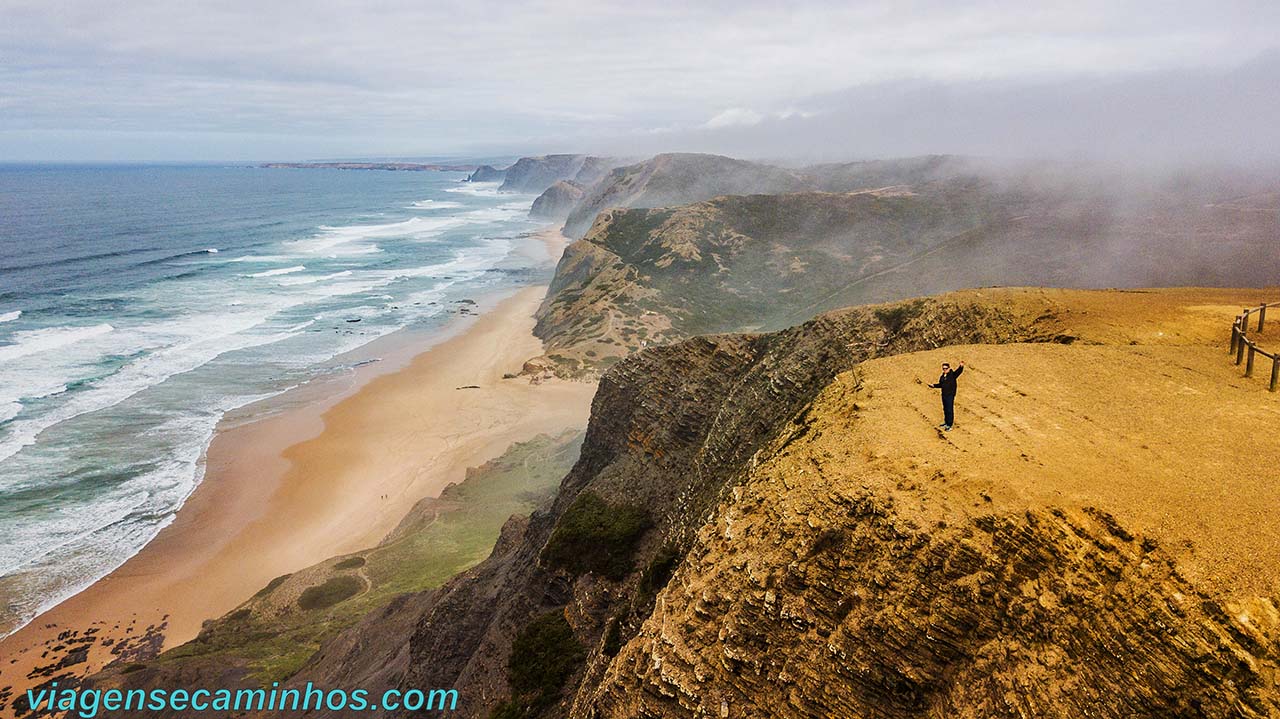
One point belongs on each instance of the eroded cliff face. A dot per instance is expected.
(536, 174)
(557, 201)
(842, 582)
(770, 525)
(678, 179)
(814, 548)
(642, 276)
(671, 429)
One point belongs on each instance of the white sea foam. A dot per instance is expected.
(51, 557)
(54, 556)
(479, 189)
(348, 240)
(355, 239)
(291, 281)
(262, 258)
(218, 335)
(39, 374)
(212, 250)
(501, 213)
(23, 386)
(281, 271)
(61, 529)
(50, 338)
(10, 316)
(139, 359)
(434, 205)
(44, 582)
(354, 251)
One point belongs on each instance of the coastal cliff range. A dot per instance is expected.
(644, 275)
(536, 174)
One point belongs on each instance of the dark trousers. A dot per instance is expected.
(949, 409)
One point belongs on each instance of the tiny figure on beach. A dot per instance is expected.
(947, 383)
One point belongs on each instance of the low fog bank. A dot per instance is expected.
(1161, 119)
(1087, 223)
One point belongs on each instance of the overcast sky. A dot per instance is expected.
(278, 79)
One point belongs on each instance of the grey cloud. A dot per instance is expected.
(1170, 117)
(436, 76)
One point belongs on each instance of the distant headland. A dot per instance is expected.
(401, 166)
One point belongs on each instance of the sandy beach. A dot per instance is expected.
(315, 480)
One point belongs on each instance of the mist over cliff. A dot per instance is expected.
(685, 244)
(1156, 118)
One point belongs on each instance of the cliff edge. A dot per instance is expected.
(771, 525)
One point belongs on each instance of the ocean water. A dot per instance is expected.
(138, 305)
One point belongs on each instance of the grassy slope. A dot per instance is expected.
(271, 637)
(761, 262)
(737, 263)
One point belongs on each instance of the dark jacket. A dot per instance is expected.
(947, 382)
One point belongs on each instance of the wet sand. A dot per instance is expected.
(326, 477)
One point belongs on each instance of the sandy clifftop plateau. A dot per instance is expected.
(1096, 537)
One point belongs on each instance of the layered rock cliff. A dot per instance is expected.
(557, 201)
(487, 173)
(677, 179)
(768, 525)
(536, 174)
(1056, 555)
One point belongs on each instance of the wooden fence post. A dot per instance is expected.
(1240, 343)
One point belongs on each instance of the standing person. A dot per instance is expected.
(947, 383)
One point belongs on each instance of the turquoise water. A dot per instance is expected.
(138, 305)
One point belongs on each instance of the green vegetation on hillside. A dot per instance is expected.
(596, 536)
(334, 590)
(543, 657)
(277, 631)
(740, 263)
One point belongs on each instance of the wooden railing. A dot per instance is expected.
(1245, 349)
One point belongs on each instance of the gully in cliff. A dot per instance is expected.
(947, 383)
